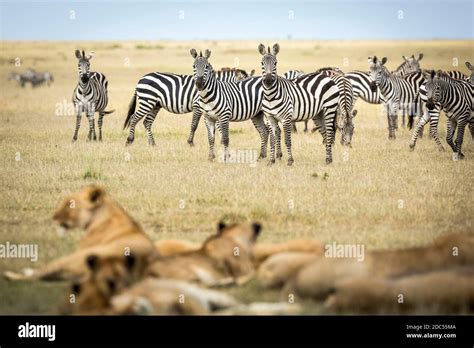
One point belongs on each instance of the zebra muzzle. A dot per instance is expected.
(430, 104)
(200, 83)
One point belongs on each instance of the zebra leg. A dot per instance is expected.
(421, 122)
(434, 119)
(471, 126)
(293, 127)
(287, 129)
(319, 125)
(211, 133)
(462, 122)
(330, 126)
(78, 124)
(224, 125)
(403, 120)
(197, 113)
(148, 122)
(262, 129)
(279, 153)
(144, 109)
(92, 135)
(450, 134)
(100, 121)
(273, 138)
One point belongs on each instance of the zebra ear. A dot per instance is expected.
(371, 60)
(90, 55)
(384, 60)
(469, 66)
(420, 56)
(354, 113)
(432, 74)
(207, 54)
(193, 53)
(253, 71)
(404, 58)
(276, 49)
(83, 54)
(261, 49)
(78, 54)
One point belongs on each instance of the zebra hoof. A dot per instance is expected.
(457, 156)
(412, 147)
(190, 143)
(271, 162)
(74, 139)
(441, 148)
(290, 161)
(279, 156)
(261, 157)
(328, 160)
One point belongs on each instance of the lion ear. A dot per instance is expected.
(92, 262)
(96, 195)
(257, 228)
(220, 226)
(76, 288)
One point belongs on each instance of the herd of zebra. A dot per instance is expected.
(326, 96)
(32, 76)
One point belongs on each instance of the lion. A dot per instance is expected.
(263, 251)
(320, 278)
(444, 291)
(109, 231)
(168, 247)
(114, 285)
(223, 259)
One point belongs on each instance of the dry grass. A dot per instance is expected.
(353, 201)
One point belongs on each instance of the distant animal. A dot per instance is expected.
(90, 96)
(174, 93)
(31, 76)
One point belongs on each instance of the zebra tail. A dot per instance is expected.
(107, 112)
(131, 110)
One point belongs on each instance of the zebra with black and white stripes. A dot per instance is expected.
(90, 95)
(398, 92)
(225, 102)
(410, 65)
(172, 92)
(312, 96)
(456, 98)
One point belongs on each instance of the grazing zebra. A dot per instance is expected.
(456, 98)
(174, 93)
(32, 77)
(90, 95)
(226, 102)
(345, 112)
(471, 68)
(397, 91)
(312, 96)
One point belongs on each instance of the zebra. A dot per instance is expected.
(397, 91)
(226, 102)
(410, 65)
(174, 93)
(292, 75)
(90, 95)
(345, 112)
(32, 77)
(312, 96)
(432, 114)
(456, 97)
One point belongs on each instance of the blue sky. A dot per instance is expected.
(201, 19)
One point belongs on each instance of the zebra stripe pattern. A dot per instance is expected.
(456, 98)
(90, 96)
(174, 93)
(398, 92)
(226, 102)
(311, 96)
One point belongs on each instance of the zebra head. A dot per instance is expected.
(84, 65)
(376, 71)
(269, 64)
(346, 126)
(411, 64)
(433, 86)
(471, 68)
(202, 69)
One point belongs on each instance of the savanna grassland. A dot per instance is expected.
(377, 193)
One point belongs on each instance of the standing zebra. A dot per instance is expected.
(90, 95)
(432, 115)
(174, 93)
(398, 93)
(226, 102)
(312, 96)
(292, 75)
(456, 98)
